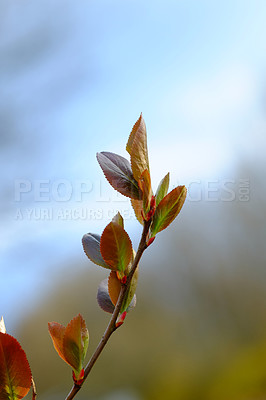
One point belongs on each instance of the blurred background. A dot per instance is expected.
(74, 78)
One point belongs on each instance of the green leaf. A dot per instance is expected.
(137, 148)
(118, 172)
(91, 246)
(130, 300)
(116, 247)
(15, 373)
(162, 189)
(168, 208)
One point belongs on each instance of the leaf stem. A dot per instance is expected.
(112, 323)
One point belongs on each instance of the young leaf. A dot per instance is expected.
(116, 247)
(162, 189)
(137, 148)
(168, 208)
(132, 304)
(103, 297)
(118, 172)
(118, 219)
(145, 186)
(57, 332)
(75, 343)
(114, 287)
(71, 343)
(130, 300)
(137, 206)
(91, 246)
(139, 125)
(15, 373)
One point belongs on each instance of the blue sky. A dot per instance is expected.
(75, 77)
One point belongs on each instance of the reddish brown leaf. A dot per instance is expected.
(137, 148)
(114, 287)
(57, 332)
(137, 206)
(138, 126)
(145, 186)
(15, 373)
(168, 209)
(116, 247)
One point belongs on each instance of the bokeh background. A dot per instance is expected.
(74, 78)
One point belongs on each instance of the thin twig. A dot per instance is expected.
(112, 323)
(33, 387)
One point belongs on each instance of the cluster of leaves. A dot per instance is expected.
(112, 250)
(134, 181)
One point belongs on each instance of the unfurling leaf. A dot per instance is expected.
(71, 343)
(116, 247)
(145, 186)
(91, 246)
(103, 297)
(114, 287)
(137, 148)
(162, 189)
(118, 219)
(118, 172)
(15, 373)
(168, 208)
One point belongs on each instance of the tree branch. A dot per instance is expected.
(112, 323)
